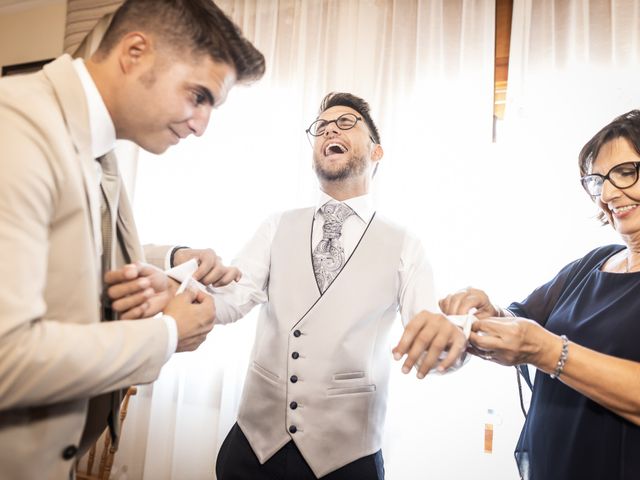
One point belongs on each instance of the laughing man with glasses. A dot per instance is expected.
(331, 280)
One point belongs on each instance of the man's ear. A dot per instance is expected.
(377, 153)
(134, 50)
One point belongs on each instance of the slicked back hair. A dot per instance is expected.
(335, 99)
(196, 26)
(625, 126)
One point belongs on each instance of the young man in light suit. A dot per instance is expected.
(332, 279)
(161, 68)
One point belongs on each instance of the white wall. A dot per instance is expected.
(31, 30)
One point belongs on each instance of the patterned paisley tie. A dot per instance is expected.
(328, 256)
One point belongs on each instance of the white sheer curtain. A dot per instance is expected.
(426, 67)
(574, 66)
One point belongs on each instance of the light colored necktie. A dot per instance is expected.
(328, 256)
(110, 194)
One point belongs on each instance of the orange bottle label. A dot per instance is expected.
(488, 438)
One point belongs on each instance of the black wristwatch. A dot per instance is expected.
(173, 253)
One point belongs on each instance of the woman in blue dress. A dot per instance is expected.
(581, 331)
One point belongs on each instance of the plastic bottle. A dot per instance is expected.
(488, 431)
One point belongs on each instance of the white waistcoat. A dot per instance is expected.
(320, 366)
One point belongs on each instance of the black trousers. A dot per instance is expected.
(236, 461)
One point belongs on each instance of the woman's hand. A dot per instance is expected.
(514, 341)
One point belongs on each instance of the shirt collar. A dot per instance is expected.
(362, 205)
(103, 132)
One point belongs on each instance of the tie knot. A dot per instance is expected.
(334, 216)
(108, 164)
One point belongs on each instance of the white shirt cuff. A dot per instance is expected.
(172, 330)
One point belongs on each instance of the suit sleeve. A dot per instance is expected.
(157, 255)
(46, 360)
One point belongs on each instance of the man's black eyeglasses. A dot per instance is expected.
(346, 121)
(624, 175)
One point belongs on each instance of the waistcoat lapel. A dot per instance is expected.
(346, 263)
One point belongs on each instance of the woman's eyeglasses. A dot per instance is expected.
(621, 176)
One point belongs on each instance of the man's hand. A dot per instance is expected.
(211, 270)
(425, 338)
(461, 302)
(194, 313)
(138, 290)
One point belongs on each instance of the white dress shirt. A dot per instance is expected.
(415, 275)
(103, 140)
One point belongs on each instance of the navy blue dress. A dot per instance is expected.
(566, 435)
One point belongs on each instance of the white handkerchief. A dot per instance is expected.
(464, 321)
(183, 273)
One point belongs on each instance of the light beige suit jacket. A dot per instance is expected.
(55, 354)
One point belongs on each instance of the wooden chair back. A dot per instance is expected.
(85, 470)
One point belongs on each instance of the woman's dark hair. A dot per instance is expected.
(625, 126)
(198, 26)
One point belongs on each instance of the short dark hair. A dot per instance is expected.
(198, 25)
(625, 126)
(335, 99)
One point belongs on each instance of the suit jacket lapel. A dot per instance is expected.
(66, 84)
